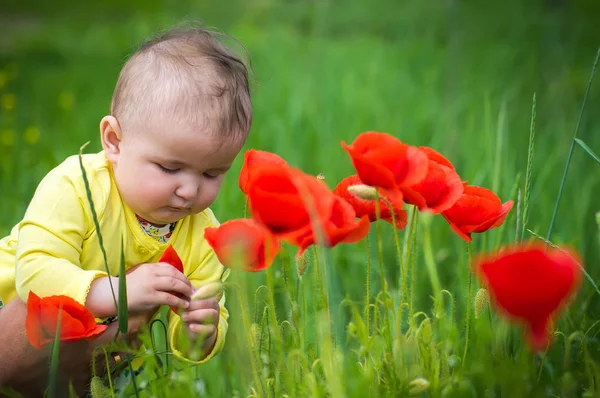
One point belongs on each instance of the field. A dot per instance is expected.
(459, 77)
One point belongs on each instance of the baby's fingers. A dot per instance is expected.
(170, 299)
(165, 269)
(202, 331)
(173, 285)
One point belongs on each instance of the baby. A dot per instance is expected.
(179, 116)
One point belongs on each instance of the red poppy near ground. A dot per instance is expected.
(440, 189)
(477, 210)
(283, 199)
(170, 256)
(254, 158)
(364, 207)
(383, 161)
(76, 322)
(531, 285)
(243, 243)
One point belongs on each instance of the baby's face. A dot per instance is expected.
(166, 173)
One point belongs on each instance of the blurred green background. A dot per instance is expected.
(455, 75)
(458, 76)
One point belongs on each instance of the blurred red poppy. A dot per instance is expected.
(383, 161)
(364, 207)
(477, 210)
(76, 322)
(440, 189)
(531, 284)
(243, 243)
(254, 158)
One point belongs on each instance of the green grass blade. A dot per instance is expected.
(95, 218)
(588, 276)
(500, 132)
(54, 358)
(530, 151)
(564, 177)
(587, 149)
(122, 310)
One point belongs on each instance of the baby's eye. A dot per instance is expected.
(211, 175)
(166, 169)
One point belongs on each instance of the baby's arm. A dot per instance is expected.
(208, 270)
(49, 247)
(50, 240)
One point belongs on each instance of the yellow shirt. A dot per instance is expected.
(55, 249)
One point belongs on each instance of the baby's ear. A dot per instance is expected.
(110, 135)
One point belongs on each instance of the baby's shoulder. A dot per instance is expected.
(68, 176)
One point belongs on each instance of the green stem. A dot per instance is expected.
(399, 257)
(430, 264)
(380, 248)
(469, 280)
(368, 298)
(411, 233)
(249, 344)
(320, 285)
(564, 177)
(293, 309)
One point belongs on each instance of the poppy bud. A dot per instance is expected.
(302, 263)
(482, 299)
(363, 191)
(418, 385)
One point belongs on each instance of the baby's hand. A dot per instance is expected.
(154, 284)
(201, 320)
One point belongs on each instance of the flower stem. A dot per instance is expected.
(249, 343)
(469, 280)
(430, 264)
(368, 299)
(380, 248)
(411, 237)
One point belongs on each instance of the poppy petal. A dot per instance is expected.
(254, 158)
(170, 256)
(243, 242)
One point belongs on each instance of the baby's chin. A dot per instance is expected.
(168, 216)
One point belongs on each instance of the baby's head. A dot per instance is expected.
(180, 114)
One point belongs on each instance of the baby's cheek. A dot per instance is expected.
(209, 194)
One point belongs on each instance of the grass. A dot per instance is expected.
(453, 77)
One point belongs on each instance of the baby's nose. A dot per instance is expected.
(188, 192)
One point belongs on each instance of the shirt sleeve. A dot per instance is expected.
(50, 239)
(208, 270)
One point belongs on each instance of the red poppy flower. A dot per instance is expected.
(364, 207)
(477, 210)
(531, 284)
(170, 256)
(340, 227)
(253, 158)
(383, 161)
(440, 189)
(283, 199)
(76, 322)
(243, 242)
(279, 198)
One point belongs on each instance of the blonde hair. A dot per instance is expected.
(188, 75)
